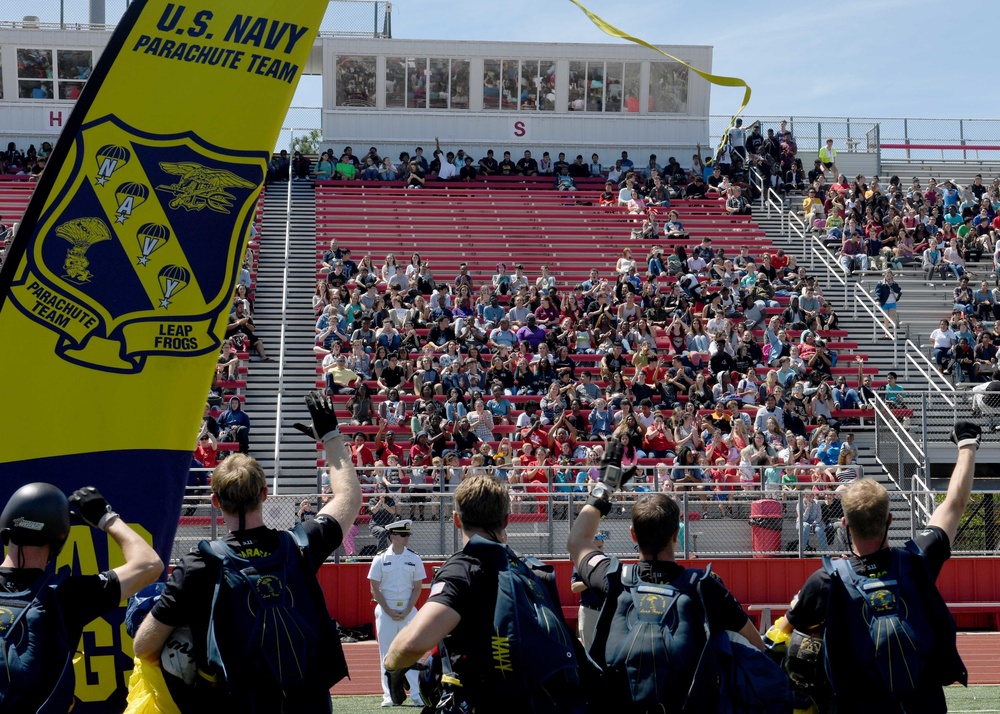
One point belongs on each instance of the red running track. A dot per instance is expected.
(978, 651)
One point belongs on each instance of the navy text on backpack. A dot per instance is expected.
(891, 638)
(269, 626)
(534, 654)
(657, 646)
(36, 657)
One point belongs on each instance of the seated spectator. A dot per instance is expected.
(736, 204)
(933, 260)
(234, 425)
(853, 255)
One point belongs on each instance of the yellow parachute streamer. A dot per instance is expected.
(719, 80)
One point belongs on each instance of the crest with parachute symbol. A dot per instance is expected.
(139, 245)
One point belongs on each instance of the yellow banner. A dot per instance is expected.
(609, 29)
(117, 289)
(134, 238)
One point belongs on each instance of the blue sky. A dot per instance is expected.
(857, 58)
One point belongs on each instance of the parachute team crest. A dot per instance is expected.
(175, 199)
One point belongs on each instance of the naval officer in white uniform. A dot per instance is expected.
(396, 576)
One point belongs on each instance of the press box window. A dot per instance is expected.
(34, 74)
(422, 83)
(668, 88)
(355, 81)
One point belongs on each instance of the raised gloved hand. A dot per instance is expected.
(90, 507)
(966, 433)
(324, 420)
(612, 477)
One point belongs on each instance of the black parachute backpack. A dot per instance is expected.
(665, 657)
(652, 636)
(36, 655)
(890, 637)
(535, 658)
(269, 624)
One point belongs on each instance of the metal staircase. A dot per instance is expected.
(877, 351)
(296, 469)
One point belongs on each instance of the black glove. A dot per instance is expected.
(966, 433)
(90, 507)
(324, 420)
(612, 477)
(611, 464)
(397, 684)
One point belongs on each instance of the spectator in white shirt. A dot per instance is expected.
(942, 340)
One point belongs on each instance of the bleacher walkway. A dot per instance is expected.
(298, 458)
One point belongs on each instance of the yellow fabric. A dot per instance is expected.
(147, 691)
(719, 80)
(827, 157)
(164, 122)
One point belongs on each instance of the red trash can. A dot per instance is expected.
(765, 527)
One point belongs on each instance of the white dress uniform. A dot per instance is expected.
(395, 576)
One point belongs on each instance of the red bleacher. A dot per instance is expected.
(519, 221)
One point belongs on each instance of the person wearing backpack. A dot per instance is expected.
(886, 635)
(496, 621)
(264, 641)
(670, 639)
(44, 613)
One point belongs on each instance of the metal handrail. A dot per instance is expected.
(930, 374)
(902, 436)
(284, 321)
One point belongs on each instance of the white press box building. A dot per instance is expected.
(396, 94)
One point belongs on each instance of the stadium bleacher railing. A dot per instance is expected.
(892, 139)
(859, 299)
(726, 526)
(902, 457)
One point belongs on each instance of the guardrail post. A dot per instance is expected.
(878, 149)
(961, 138)
(551, 516)
(913, 516)
(684, 520)
(442, 504)
(213, 515)
(923, 425)
(895, 345)
(906, 136)
(798, 521)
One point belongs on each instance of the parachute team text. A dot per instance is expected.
(243, 31)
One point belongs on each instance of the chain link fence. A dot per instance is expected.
(357, 18)
(793, 522)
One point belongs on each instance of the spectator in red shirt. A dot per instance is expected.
(420, 451)
(361, 454)
(547, 314)
(385, 444)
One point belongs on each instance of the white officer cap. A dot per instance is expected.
(400, 527)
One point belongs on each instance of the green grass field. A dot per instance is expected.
(960, 699)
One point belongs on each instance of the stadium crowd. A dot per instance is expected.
(527, 379)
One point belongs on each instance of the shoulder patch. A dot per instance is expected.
(595, 559)
(437, 589)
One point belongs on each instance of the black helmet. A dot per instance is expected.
(37, 514)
